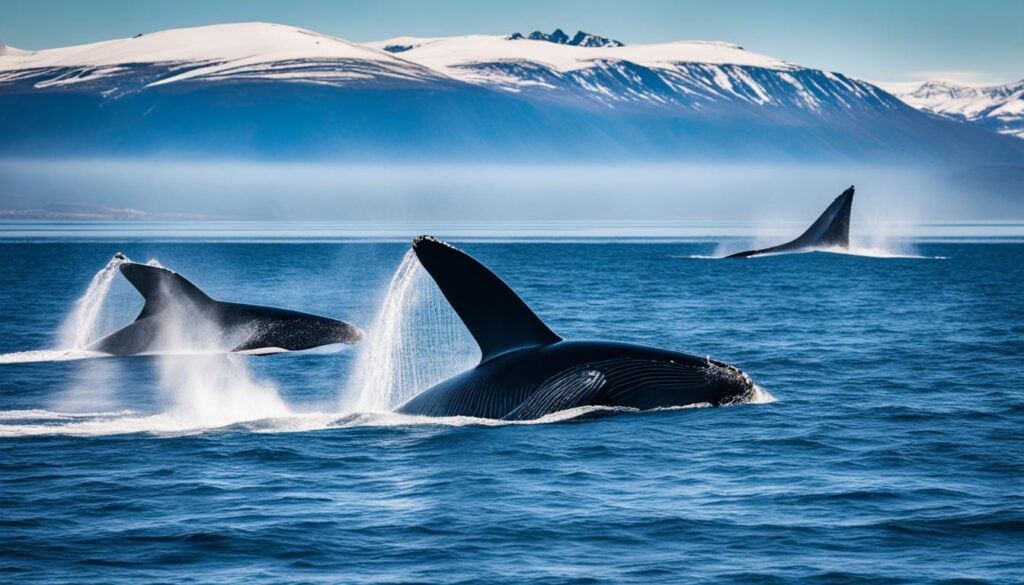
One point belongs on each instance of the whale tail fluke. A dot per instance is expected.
(496, 317)
(177, 316)
(830, 230)
(161, 287)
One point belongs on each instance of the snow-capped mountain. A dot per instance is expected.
(260, 89)
(997, 107)
(694, 75)
(6, 50)
(250, 51)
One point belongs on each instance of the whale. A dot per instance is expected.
(179, 317)
(526, 371)
(830, 230)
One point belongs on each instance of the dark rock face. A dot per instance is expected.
(583, 39)
(558, 36)
(399, 48)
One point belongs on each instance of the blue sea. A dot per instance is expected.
(888, 446)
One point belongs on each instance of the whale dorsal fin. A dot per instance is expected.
(161, 287)
(494, 314)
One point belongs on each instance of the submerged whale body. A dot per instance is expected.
(831, 230)
(178, 316)
(527, 371)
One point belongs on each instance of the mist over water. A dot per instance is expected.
(479, 192)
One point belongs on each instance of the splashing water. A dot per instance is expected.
(204, 387)
(208, 391)
(79, 329)
(416, 341)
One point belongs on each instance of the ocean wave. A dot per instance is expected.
(36, 422)
(881, 253)
(64, 355)
(49, 355)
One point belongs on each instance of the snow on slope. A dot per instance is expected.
(691, 74)
(253, 50)
(694, 75)
(459, 96)
(6, 50)
(998, 107)
(451, 53)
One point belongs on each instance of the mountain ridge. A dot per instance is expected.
(997, 107)
(267, 90)
(558, 36)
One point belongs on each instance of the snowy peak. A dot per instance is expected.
(688, 74)
(452, 55)
(253, 50)
(222, 42)
(9, 50)
(971, 98)
(997, 107)
(582, 39)
(941, 90)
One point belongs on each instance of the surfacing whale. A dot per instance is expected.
(178, 316)
(527, 371)
(831, 230)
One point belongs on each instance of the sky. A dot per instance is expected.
(978, 42)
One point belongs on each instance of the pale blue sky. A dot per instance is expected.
(883, 40)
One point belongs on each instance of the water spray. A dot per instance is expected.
(79, 329)
(416, 341)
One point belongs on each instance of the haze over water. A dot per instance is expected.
(891, 451)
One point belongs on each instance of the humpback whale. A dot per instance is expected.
(527, 371)
(178, 316)
(831, 230)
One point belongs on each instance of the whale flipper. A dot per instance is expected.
(496, 317)
(572, 388)
(830, 230)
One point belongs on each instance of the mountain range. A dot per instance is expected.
(257, 90)
(997, 107)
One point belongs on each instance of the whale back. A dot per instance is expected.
(496, 317)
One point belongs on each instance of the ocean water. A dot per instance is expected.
(892, 449)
